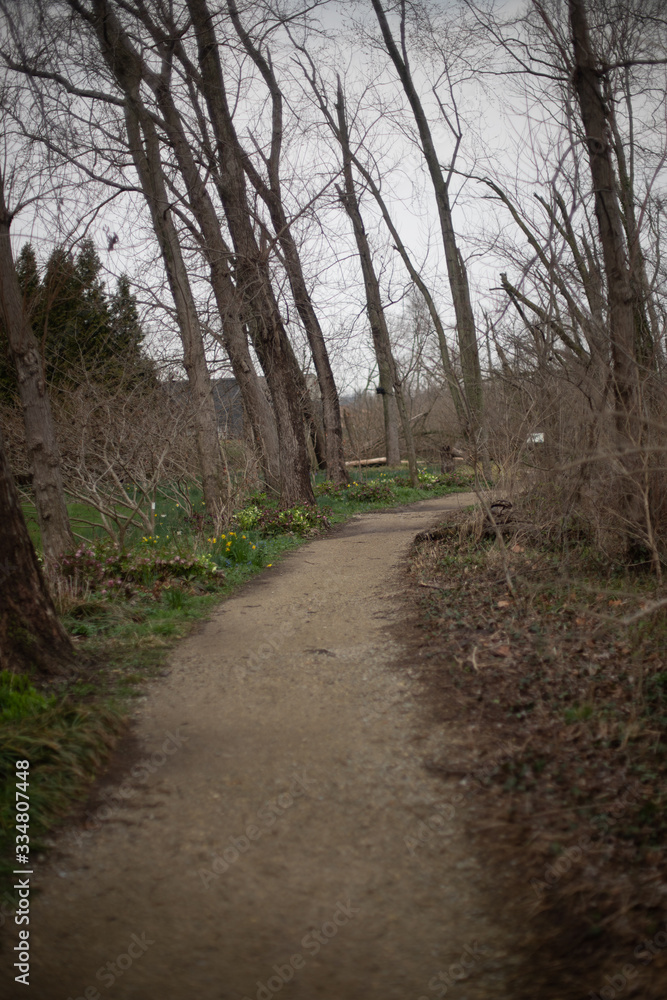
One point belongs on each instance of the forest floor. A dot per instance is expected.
(268, 825)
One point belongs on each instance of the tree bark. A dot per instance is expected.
(147, 162)
(271, 194)
(456, 271)
(31, 636)
(252, 270)
(40, 432)
(389, 380)
(648, 349)
(255, 403)
(620, 297)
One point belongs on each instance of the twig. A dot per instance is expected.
(649, 609)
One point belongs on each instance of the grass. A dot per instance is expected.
(358, 497)
(80, 515)
(126, 610)
(65, 743)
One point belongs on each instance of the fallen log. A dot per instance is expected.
(367, 461)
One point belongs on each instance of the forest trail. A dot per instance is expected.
(258, 843)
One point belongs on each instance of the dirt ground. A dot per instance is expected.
(262, 832)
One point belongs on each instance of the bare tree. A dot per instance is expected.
(253, 279)
(451, 377)
(251, 273)
(621, 290)
(456, 269)
(270, 190)
(146, 146)
(591, 312)
(389, 378)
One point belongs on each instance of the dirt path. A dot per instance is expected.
(258, 846)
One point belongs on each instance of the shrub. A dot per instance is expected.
(328, 489)
(107, 569)
(457, 480)
(198, 522)
(248, 517)
(369, 492)
(304, 519)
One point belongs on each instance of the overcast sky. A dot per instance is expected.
(506, 133)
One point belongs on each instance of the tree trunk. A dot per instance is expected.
(146, 157)
(124, 64)
(31, 636)
(392, 443)
(252, 270)
(450, 375)
(389, 380)
(648, 348)
(620, 297)
(253, 281)
(39, 427)
(271, 194)
(456, 271)
(255, 403)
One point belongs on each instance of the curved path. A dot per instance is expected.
(266, 840)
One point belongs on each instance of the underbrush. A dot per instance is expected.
(554, 661)
(269, 519)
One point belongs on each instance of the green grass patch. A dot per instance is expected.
(65, 743)
(377, 489)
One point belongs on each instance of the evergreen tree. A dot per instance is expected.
(74, 315)
(82, 331)
(28, 274)
(127, 335)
